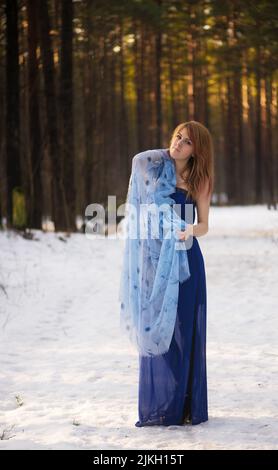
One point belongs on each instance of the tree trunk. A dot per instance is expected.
(58, 210)
(67, 127)
(12, 107)
(34, 206)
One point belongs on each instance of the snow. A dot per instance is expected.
(69, 378)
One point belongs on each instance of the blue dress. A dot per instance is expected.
(173, 386)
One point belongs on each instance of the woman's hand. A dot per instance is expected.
(185, 234)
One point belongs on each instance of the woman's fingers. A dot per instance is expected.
(182, 235)
(185, 234)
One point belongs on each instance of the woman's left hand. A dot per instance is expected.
(185, 234)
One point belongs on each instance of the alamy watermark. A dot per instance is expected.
(143, 221)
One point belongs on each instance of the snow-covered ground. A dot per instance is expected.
(69, 378)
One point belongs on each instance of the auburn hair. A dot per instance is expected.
(200, 168)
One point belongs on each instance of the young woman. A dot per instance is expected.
(173, 386)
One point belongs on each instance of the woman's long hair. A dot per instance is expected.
(200, 168)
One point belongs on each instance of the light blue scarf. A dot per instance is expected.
(154, 263)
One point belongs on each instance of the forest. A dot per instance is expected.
(85, 85)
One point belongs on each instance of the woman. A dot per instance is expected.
(173, 386)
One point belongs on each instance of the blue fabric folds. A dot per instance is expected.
(154, 259)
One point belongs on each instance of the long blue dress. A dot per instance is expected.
(173, 386)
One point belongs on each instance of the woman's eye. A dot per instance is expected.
(186, 141)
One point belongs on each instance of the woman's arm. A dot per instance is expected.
(203, 204)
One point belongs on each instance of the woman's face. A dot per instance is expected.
(181, 146)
